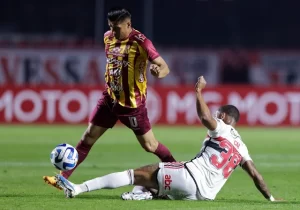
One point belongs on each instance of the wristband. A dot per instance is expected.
(271, 198)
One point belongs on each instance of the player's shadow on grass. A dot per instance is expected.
(23, 195)
(104, 197)
(92, 197)
(255, 201)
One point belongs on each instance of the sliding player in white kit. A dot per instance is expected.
(198, 179)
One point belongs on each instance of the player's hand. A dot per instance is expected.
(201, 83)
(154, 69)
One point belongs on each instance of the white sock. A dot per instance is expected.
(80, 188)
(139, 189)
(110, 181)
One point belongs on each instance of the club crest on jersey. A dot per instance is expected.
(234, 133)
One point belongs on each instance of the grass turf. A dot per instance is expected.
(25, 151)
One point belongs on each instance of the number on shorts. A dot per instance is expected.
(133, 122)
(229, 158)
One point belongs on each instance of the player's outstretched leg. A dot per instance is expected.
(83, 148)
(68, 187)
(145, 176)
(89, 138)
(100, 120)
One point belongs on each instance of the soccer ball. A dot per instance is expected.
(64, 157)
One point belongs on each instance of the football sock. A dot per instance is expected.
(83, 150)
(110, 181)
(163, 153)
(80, 188)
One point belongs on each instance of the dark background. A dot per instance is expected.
(181, 23)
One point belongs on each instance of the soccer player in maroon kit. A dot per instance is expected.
(128, 52)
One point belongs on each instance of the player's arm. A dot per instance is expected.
(258, 180)
(159, 67)
(202, 109)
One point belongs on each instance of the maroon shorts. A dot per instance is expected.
(107, 113)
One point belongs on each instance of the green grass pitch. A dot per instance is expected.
(25, 151)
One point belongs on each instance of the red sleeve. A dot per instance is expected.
(106, 36)
(147, 45)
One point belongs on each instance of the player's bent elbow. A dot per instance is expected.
(167, 70)
(164, 73)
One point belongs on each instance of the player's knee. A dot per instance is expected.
(148, 142)
(146, 176)
(139, 179)
(142, 178)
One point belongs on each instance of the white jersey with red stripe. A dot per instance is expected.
(222, 151)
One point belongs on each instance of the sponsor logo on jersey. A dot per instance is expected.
(140, 37)
(168, 181)
(116, 51)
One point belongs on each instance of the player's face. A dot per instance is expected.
(120, 30)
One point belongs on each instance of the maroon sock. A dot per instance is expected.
(83, 150)
(164, 153)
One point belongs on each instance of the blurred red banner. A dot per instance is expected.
(260, 106)
(86, 66)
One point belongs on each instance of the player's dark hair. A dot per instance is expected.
(231, 111)
(117, 14)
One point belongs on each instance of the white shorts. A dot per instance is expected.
(175, 181)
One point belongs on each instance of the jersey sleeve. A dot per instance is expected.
(151, 51)
(148, 46)
(221, 126)
(245, 155)
(104, 39)
(106, 36)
